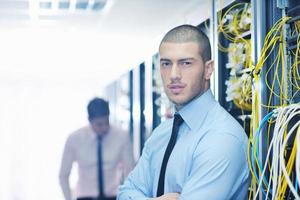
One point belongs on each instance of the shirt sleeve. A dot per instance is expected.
(65, 169)
(138, 184)
(219, 168)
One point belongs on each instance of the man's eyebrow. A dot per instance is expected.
(180, 60)
(186, 59)
(164, 59)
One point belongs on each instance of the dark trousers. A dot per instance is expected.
(93, 198)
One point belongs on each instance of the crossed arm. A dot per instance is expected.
(213, 175)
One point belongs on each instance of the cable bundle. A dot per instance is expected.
(235, 22)
(294, 74)
(274, 175)
(239, 91)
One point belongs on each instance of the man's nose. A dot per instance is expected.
(175, 72)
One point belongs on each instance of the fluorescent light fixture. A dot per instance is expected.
(82, 4)
(64, 5)
(45, 4)
(99, 6)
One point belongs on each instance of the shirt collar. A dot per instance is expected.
(195, 111)
(94, 135)
(91, 132)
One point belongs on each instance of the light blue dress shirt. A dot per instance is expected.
(208, 162)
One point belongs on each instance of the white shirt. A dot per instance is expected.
(81, 147)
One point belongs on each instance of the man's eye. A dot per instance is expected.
(186, 63)
(165, 64)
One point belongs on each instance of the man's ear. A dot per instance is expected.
(209, 68)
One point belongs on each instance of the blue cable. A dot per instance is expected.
(296, 184)
(263, 122)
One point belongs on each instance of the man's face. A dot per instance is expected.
(100, 125)
(183, 72)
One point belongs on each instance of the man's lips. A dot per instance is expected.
(176, 88)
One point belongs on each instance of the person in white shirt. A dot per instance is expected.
(103, 153)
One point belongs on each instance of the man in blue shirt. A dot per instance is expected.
(201, 152)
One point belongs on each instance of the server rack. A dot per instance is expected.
(281, 93)
(119, 97)
(155, 92)
(276, 85)
(293, 32)
(162, 108)
(234, 56)
(142, 105)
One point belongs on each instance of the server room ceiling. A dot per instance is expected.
(129, 13)
(100, 34)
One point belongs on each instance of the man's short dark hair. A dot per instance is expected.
(189, 33)
(97, 107)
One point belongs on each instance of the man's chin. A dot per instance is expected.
(178, 102)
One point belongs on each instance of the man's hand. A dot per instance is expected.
(168, 196)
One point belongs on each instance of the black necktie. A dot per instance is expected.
(161, 182)
(100, 170)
